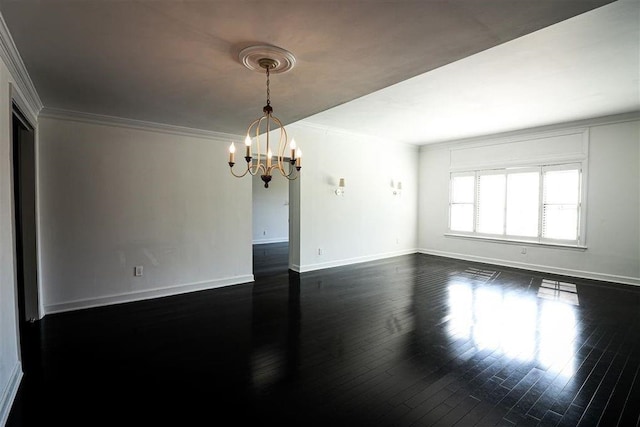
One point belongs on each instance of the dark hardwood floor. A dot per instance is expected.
(413, 340)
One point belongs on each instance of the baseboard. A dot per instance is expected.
(147, 294)
(295, 267)
(349, 261)
(9, 393)
(273, 240)
(592, 275)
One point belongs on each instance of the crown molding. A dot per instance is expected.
(99, 119)
(577, 126)
(11, 57)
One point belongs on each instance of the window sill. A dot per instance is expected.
(517, 242)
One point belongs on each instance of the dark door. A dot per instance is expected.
(24, 190)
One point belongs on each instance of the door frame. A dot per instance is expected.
(18, 103)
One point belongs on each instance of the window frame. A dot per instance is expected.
(475, 197)
(580, 241)
(580, 220)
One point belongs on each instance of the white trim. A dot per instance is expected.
(581, 226)
(295, 267)
(11, 57)
(531, 160)
(541, 131)
(99, 119)
(523, 138)
(9, 393)
(614, 278)
(147, 294)
(348, 261)
(17, 97)
(39, 219)
(516, 241)
(516, 164)
(272, 240)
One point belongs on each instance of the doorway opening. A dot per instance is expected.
(24, 199)
(270, 226)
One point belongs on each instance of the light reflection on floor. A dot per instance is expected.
(558, 291)
(520, 326)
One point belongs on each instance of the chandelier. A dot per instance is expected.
(269, 59)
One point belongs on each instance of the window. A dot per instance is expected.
(522, 204)
(462, 202)
(538, 204)
(561, 204)
(491, 190)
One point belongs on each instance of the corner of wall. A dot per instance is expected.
(9, 393)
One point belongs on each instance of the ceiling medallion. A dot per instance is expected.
(283, 60)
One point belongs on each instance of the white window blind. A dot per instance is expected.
(462, 202)
(538, 204)
(523, 191)
(561, 204)
(491, 203)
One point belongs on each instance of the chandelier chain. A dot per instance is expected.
(268, 91)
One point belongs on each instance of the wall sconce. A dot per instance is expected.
(397, 188)
(340, 189)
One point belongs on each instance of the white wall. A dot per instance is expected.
(15, 86)
(113, 197)
(10, 367)
(368, 222)
(613, 210)
(270, 210)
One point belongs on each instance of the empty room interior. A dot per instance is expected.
(320, 213)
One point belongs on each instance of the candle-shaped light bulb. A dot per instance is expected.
(399, 185)
(232, 153)
(341, 182)
(298, 157)
(247, 142)
(269, 155)
(293, 149)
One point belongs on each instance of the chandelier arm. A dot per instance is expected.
(248, 170)
(292, 174)
(290, 177)
(253, 172)
(263, 118)
(239, 176)
(282, 143)
(287, 175)
(269, 117)
(255, 168)
(256, 123)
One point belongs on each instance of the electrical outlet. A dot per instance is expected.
(264, 232)
(523, 251)
(319, 251)
(137, 271)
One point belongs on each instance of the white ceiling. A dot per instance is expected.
(412, 71)
(584, 67)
